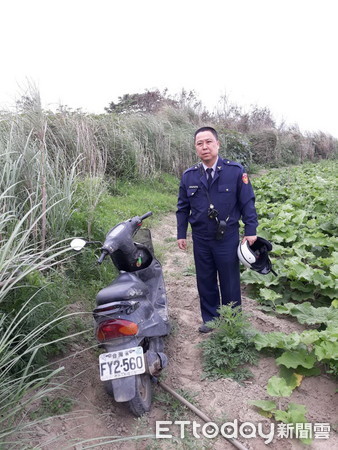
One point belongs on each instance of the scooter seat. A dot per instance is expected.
(126, 287)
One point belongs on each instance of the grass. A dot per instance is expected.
(189, 271)
(27, 327)
(49, 406)
(129, 199)
(172, 407)
(174, 410)
(22, 382)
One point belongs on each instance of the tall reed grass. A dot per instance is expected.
(36, 201)
(22, 380)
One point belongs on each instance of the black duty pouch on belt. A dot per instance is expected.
(222, 224)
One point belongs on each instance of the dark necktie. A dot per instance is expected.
(209, 172)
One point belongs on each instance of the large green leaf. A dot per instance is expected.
(278, 387)
(314, 372)
(283, 416)
(265, 405)
(294, 414)
(297, 358)
(276, 340)
(309, 337)
(252, 277)
(301, 286)
(320, 279)
(331, 293)
(299, 270)
(292, 378)
(306, 313)
(326, 350)
(269, 294)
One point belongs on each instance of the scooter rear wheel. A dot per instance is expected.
(141, 403)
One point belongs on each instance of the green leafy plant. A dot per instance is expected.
(302, 350)
(278, 387)
(295, 218)
(302, 355)
(230, 346)
(292, 414)
(293, 212)
(307, 314)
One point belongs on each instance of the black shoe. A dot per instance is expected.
(204, 329)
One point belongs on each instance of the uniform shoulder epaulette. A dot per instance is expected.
(232, 163)
(194, 167)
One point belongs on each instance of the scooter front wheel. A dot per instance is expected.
(141, 403)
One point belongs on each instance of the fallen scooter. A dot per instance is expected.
(131, 315)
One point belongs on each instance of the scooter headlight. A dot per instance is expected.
(115, 328)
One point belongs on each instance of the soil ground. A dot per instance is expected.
(97, 420)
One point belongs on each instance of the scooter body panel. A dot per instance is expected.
(144, 297)
(125, 287)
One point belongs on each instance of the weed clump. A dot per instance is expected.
(230, 346)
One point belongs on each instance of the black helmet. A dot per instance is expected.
(256, 256)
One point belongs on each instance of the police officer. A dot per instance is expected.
(213, 195)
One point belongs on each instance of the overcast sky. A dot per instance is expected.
(279, 54)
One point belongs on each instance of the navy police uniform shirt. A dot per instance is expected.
(230, 192)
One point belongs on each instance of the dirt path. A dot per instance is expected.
(95, 415)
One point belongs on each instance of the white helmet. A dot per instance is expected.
(256, 256)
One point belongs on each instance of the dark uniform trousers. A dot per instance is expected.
(212, 257)
(232, 196)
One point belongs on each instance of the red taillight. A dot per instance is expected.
(115, 328)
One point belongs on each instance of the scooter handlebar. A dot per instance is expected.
(146, 215)
(104, 253)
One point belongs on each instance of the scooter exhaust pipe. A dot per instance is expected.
(155, 362)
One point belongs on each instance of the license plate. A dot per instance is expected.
(122, 363)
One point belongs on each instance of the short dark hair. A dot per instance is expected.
(212, 130)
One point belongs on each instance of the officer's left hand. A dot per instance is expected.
(250, 239)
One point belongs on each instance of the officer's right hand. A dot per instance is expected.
(182, 244)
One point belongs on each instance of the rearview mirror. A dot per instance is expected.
(78, 244)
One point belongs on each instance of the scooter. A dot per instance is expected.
(131, 315)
